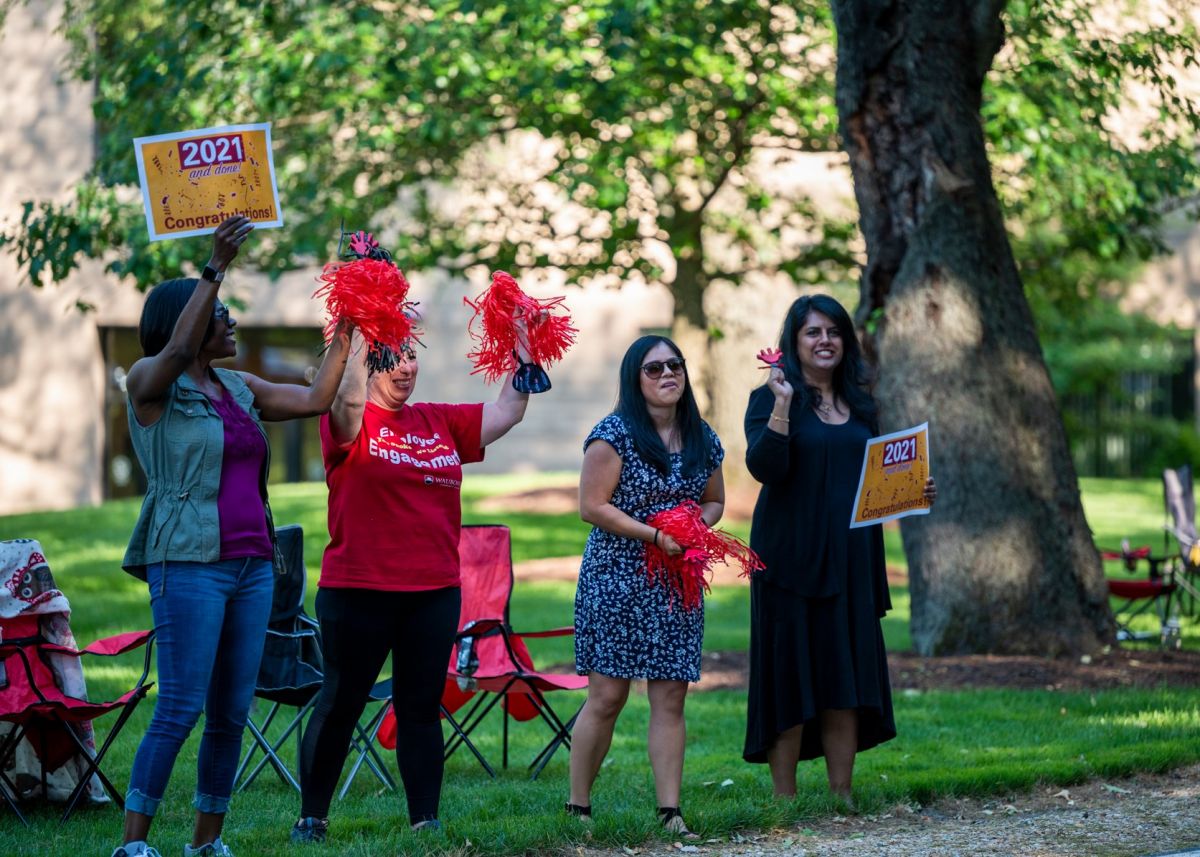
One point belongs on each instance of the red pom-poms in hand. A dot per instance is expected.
(687, 574)
(549, 335)
(372, 294)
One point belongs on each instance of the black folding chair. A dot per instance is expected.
(362, 745)
(291, 671)
(291, 675)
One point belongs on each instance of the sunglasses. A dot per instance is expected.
(654, 369)
(221, 313)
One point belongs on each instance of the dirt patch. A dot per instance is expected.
(1118, 668)
(1131, 667)
(1144, 814)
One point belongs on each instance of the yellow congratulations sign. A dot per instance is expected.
(193, 180)
(892, 484)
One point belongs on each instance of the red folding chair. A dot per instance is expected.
(48, 718)
(490, 662)
(1138, 595)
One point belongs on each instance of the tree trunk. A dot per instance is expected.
(690, 327)
(1005, 562)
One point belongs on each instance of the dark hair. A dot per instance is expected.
(362, 245)
(161, 311)
(851, 377)
(631, 407)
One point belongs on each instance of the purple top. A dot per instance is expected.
(239, 501)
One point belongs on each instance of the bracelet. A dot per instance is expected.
(656, 538)
(529, 377)
(781, 419)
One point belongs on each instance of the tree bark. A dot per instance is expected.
(690, 328)
(1005, 562)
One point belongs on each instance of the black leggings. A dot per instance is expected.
(359, 627)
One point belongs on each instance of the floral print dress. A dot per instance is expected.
(627, 626)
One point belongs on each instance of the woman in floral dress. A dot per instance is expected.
(652, 453)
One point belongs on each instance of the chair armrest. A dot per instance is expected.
(1126, 554)
(118, 643)
(481, 627)
(553, 632)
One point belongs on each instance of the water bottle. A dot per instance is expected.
(1172, 635)
(468, 657)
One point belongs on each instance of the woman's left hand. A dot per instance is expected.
(344, 331)
(930, 490)
(521, 324)
(669, 546)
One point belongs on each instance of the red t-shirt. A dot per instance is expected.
(395, 509)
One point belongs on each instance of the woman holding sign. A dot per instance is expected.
(205, 539)
(818, 670)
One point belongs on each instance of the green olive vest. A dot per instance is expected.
(182, 454)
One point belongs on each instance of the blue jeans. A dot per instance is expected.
(210, 620)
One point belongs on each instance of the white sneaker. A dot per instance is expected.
(138, 851)
(216, 848)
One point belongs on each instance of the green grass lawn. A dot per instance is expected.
(951, 743)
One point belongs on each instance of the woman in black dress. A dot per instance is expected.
(818, 669)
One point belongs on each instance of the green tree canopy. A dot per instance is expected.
(663, 119)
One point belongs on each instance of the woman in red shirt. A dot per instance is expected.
(390, 575)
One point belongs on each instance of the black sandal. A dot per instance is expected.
(583, 813)
(672, 821)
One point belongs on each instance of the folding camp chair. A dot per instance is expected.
(362, 744)
(491, 660)
(291, 673)
(56, 723)
(1180, 500)
(385, 727)
(1136, 596)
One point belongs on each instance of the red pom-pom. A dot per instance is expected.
(771, 357)
(372, 294)
(549, 335)
(688, 574)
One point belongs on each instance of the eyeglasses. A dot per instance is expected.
(221, 313)
(654, 369)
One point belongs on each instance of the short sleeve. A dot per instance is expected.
(716, 452)
(612, 430)
(465, 424)
(331, 452)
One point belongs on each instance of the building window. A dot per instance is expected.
(286, 355)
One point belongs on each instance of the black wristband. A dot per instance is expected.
(529, 377)
(656, 538)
